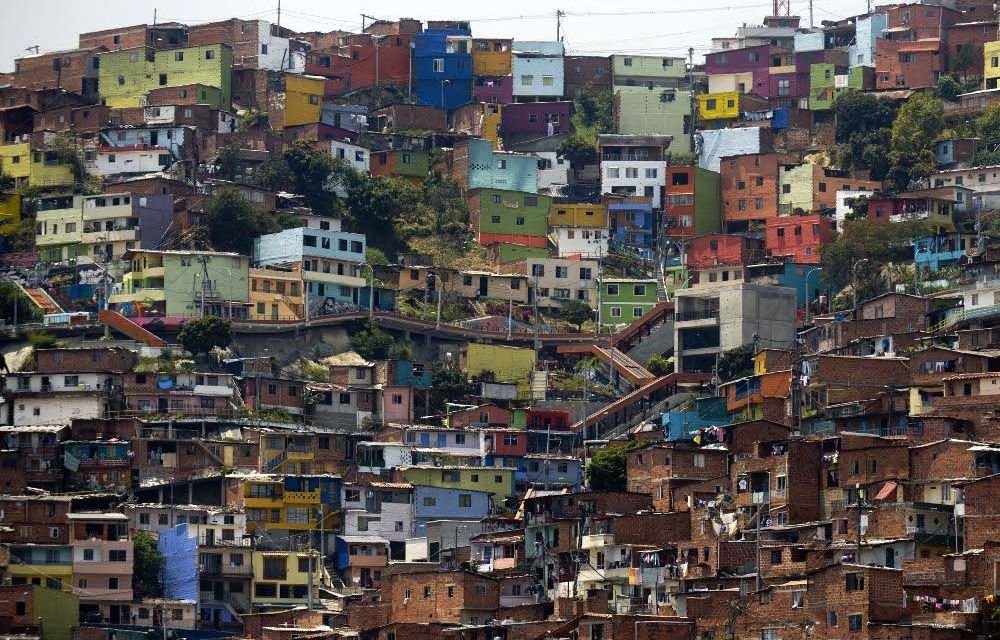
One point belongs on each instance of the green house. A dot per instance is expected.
(645, 110)
(510, 216)
(827, 80)
(624, 300)
(58, 611)
(126, 76)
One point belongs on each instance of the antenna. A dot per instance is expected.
(782, 7)
(33, 48)
(559, 15)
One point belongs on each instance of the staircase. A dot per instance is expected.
(126, 327)
(275, 462)
(539, 383)
(41, 298)
(661, 282)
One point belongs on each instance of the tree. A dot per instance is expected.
(371, 342)
(864, 130)
(578, 151)
(204, 334)
(659, 365)
(914, 131)
(576, 312)
(233, 222)
(314, 174)
(448, 384)
(148, 565)
(875, 242)
(736, 363)
(274, 175)
(26, 309)
(607, 470)
(988, 131)
(961, 61)
(948, 88)
(389, 211)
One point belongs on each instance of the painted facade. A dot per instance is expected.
(126, 76)
(538, 69)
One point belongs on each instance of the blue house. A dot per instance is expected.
(489, 169)
(180, 574)
(442, 66)
(435, 503)
(934, 252)
(682, 424)
(408, 374)
(632, 226)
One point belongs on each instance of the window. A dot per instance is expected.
(854, 582)
(639, 290)
(616, 312)
(769, 634)
(112, 583)
(209, 55)
(88, 555)
(612, 289)
(438, 65)
(527, 81)
(117, 555)
(163, 79)
(854, 621)
(427, 592)
(831, 619)
(465, 500)
(178, 56)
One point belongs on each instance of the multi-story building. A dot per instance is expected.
(580, 229)
(510, 217)
(281, 579)
(126, 76)
(442, 65)
(256, 44)
(652, 97)
(555, 280)
(477, 166)
(74, 70)
(623, 300)
(749, 186)
(410, 165)
(634, 165)
(709, 321)
(496, 481)
(492, 61)
(692, 202)
(538, 70)
(276, 293)
(810, 187)
(633, 224)
(102, 563)
(184, 283)
(798, 237)
(104, 226)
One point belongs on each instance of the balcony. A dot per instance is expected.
(210, 569)
(216, 541)
(760, 497)
(597, 541)
(697, 314)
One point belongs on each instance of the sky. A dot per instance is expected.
(590, 26)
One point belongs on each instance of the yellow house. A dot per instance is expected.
(29, 168)
(497, 481)
(281, 578)
(270, 506)
(594, 216)
(991, 60)
(303, 99)
(491, 57)
(10, 212)
(48, 565)
(491, 123)
(276, 294)
(719, 106)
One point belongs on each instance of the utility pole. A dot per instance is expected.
(692, 100)
(279, 16)
(559, 15)
(811, 25)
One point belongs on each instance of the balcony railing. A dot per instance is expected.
(760, 497)
(697, 314)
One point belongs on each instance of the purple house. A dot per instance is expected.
(543, 118)
(493, 89)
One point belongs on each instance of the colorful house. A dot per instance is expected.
(276, 294)
(510, 217)
(654, 110)
(34, 168)
(507, 364)
(827, 80)
(623, 300)
(632, 224)
(126, 76)
(933, 252)
(59, 229)
(10, 212)
(496, 481)
(412, 165)
(798, 237)
(174, 283)
(491, 57)
(303, 101)
(692, 204)
(478, 166)
(538, 69)
(281, 578)
(102, 563)
(442, 66)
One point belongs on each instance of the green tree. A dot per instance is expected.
(26, 309)
(448, 384)
(876, 243)
(961, 61)
(607, 469)
(314, 174)
(914, 131)
(864, 131)
(274, 175)
(659, 365)
(389, 211)
(203, 334)
(579, 151)
(736, 363)
(371, 342)
(988, 131)
(233, 222)
(576, 312)
(147, 578)
(449, 210)
(948, 88)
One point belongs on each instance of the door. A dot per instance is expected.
(154, 138)
(484, 287)
(218, 591)
(890, 557)
(161, 404)
(209, 537)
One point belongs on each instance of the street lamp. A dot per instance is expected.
(371, 290)
(806, 287)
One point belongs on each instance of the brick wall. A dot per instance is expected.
(83, 360)
(254, 623)
(652, 528)
(440, 596)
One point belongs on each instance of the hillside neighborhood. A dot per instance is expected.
(426, 331)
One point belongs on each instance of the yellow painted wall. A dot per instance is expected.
(471, 478)
(491, 62)
(293, 577)
(991, 72)
(593, 216)
(491, 123)
(508, 364)
(719, 106)
(291, 303)
(28, 168)
(303, 99)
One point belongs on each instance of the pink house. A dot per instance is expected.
(397, 404)
(102, 562)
